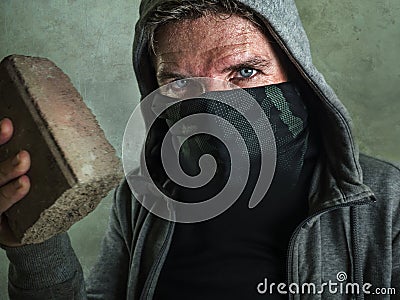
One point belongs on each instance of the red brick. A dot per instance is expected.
(73, 165)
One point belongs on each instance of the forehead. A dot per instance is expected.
(206, 34)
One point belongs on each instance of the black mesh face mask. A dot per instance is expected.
(284, 108)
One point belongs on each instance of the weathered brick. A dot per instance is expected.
(73, 165)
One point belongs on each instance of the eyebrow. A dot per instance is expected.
(163, 76)
(254, 62)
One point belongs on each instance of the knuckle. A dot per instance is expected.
(4, 195)
(23, 191)
(7, 172)
(24, 163)
(3, 172)
(6, 131)
(21, 168)
(12, 193)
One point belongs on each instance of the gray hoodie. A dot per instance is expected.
(351, 236)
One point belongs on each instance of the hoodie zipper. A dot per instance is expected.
(154, 268)
(358, 273)
(371, 199)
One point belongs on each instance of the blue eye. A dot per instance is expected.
(179, 88)
(181, 83)
(247, 72)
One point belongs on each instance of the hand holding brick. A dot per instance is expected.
(72, 165)
(14, 184)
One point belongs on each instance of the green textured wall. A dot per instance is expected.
(91, 41)
(354, 43)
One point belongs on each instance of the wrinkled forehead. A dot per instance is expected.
(205, 34)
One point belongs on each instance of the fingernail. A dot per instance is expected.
(18, 183)
(15, 161)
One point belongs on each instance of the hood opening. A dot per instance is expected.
(338, 179)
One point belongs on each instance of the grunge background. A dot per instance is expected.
(355, 44)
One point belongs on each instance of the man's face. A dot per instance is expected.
(231, 49)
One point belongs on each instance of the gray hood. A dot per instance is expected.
(338, 176)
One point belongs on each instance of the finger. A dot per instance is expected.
(14, 167)
(6, 130)
(13, 192)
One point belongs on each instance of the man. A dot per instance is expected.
(328, 211)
